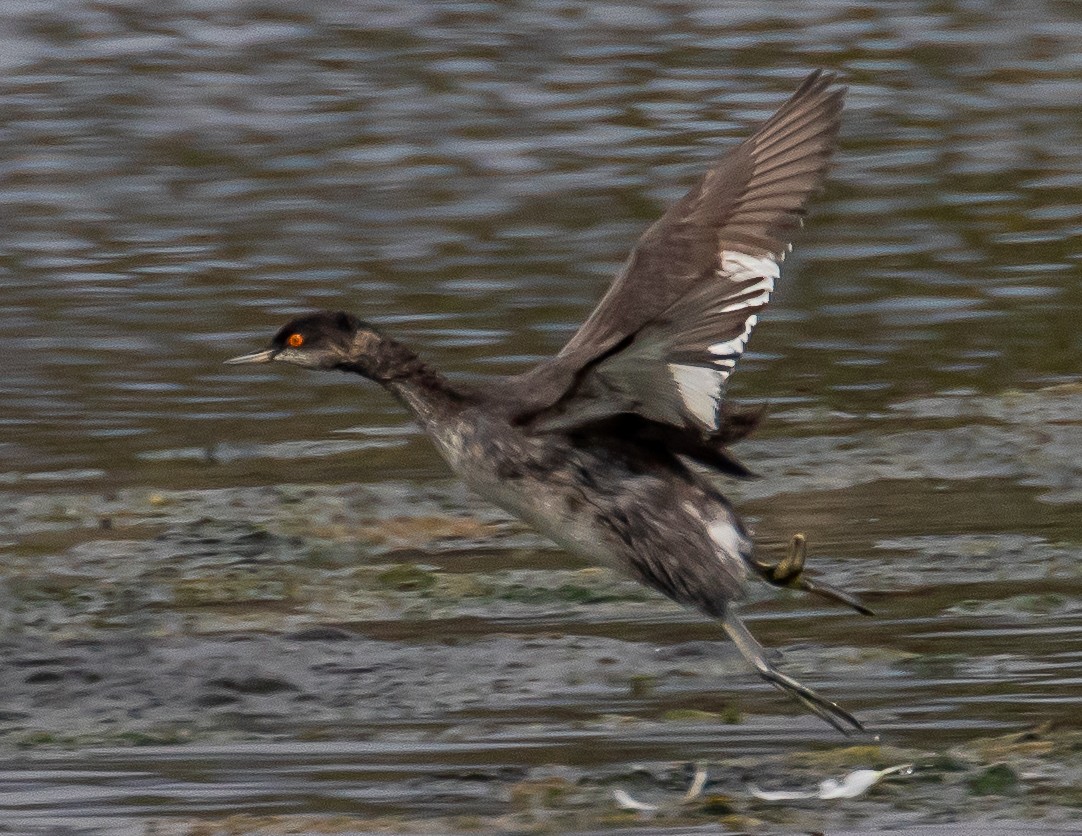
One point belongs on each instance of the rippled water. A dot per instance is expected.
(176, 179)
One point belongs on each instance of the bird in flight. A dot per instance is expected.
(610, 448)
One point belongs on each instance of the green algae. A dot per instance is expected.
(997, 779)
(407, 577)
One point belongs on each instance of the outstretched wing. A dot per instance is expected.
(669, 331)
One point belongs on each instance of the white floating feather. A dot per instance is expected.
(780, 795)
(626, 802)
(854, 784)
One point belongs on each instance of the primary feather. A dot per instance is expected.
(667, 335)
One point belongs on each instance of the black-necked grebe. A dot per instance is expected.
(592, 447)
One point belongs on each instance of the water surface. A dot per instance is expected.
(268, 579)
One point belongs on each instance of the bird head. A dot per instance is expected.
(322, 340)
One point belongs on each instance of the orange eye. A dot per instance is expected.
(295, 340)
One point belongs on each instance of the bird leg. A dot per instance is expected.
(789, 573)
(755, 654)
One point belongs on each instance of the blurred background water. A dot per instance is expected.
(176, 179)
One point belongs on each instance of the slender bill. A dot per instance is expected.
(256, 357)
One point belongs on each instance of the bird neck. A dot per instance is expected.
(396, 367)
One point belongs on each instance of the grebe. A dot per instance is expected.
(593, 446)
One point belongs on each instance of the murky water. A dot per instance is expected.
(258, 594)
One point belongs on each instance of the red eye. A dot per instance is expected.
(295, 340)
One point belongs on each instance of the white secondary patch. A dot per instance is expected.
(700, 390)
(741, 268)
(701, 387)
(761, 290)
(728, 351)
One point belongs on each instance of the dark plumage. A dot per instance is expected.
(593, 447)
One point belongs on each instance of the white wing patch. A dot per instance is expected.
(729, 351)
(700, 390)
(675, 370)
(701, 386)
(740, 268)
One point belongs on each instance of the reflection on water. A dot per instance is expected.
(178, 178)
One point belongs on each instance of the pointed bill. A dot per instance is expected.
(255, 357)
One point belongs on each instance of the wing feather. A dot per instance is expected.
(667, 335)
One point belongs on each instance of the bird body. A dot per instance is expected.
(609, 448)
(609, 504)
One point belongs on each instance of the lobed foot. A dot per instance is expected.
(820, 706)
(789, 573)
(790, 567)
